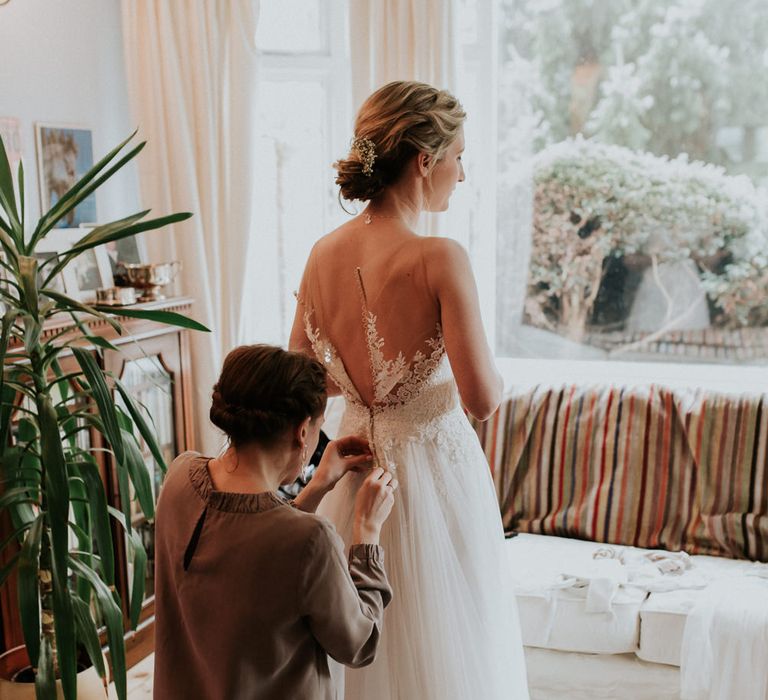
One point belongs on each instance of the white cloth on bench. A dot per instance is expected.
(725, 642)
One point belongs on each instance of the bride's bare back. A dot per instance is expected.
(418, 291)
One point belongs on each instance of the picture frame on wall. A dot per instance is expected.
(64, 155)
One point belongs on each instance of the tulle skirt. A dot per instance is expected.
(451, 631)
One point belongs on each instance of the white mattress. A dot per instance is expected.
(664, 614)
(649, 625)
(557, 618)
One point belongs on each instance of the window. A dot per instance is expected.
(632, 181)
(304, 104)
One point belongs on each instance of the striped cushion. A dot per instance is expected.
(648, 467)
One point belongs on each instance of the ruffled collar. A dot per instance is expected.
(200, 478)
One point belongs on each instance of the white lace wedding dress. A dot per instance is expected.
(451, 631)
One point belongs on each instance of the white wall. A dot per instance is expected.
(61, 61)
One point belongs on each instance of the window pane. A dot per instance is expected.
(292, 26)
(294, 174)
(648, 232)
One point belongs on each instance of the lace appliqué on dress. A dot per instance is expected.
(326, 353)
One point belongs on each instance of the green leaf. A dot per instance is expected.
(57, 500)
(99, 518)
(101, 342)
(141, 424)
(45, 677)
(7, 196)
(68, 304)
(72, 197)
(20, 181)
(103, 399)
(109, 605)
(104, 234)
(88, 636)
(170, 318)
(29, 588)
(139, 474)
(28, 279)
(19, 494)
(139, 557)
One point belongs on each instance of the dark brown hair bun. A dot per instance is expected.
(264, 391)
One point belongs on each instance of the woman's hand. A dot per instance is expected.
(346, 454)
(372, 506)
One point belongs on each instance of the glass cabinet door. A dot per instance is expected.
(151, 386)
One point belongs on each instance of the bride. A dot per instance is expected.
(395, 318)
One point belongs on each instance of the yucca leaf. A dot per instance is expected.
(57, 212)
(104, 402)
(20, 181)
(99, 518)
(86, 633)
(170, 318)
(8, 245)
(81, 190)
(139, 578)
(137, 469)
(19, 494)
(28, 279)
(109, 605)
(57, 500)
(66, 303)
(139, 560)
(141, 424)
(7, 196)
(29, 588)
(67, 255)
(100, 342)
(45, 676)
(98, 237)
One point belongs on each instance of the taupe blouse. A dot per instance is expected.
(252, 595)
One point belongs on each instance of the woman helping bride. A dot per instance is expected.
(395, 319)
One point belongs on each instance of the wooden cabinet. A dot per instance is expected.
(154, 363)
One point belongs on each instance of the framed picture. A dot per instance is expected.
(57, 283)
(126, 250)
(64, 155)
(88, 272)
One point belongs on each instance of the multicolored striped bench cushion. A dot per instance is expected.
(648, 467)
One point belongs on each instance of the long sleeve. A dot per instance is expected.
(344, 603)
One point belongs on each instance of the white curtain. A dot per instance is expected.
(192, 78)
(402, 40)
(420, 40)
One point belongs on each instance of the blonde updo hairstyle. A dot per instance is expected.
(400, 120)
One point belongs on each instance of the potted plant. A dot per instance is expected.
(61, 541)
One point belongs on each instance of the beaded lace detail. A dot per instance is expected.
(413, 401)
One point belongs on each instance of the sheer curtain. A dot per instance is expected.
(450, 44)
(402, 40)
(192, 75)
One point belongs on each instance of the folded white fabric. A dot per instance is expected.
(725, 642)
(655, 570)
(598, 579)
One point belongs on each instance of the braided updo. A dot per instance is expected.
(264, 391)
(400, 120)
